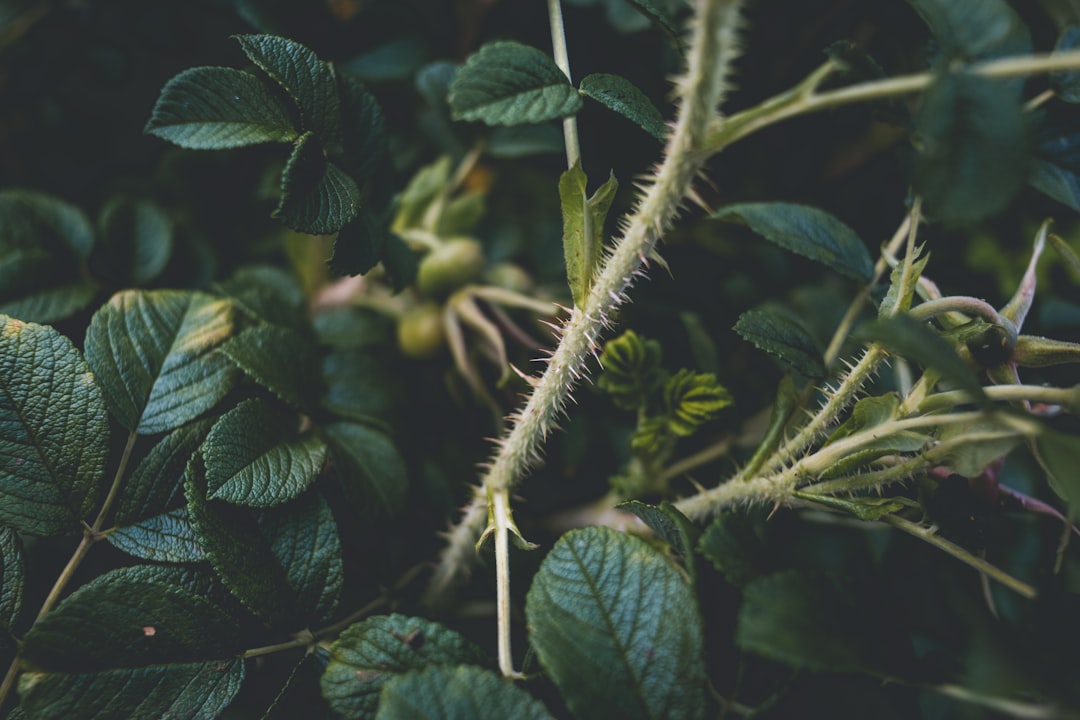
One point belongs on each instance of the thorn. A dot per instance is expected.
(772, 512)
(527, 378)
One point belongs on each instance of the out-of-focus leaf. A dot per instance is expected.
(152, 355)
(807, 231)
(136, 242)
(579, 612)
(619, 94)
(358, 246)
(395, 60)
(371, 470)
(212, 108)
(364, 127)
(507, 83)
(54, 431)
(457, 693)
(975, 29)
(1066, 83)
(371, 653)
(267, 293)
(277, 358)
(1055, 161)
(317, 197)
(1059, 455)
(784, 338)
(524, 140)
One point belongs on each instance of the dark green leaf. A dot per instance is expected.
(267, 293)
(524, 140)
(317, 197)
(783, 337)
(211, 108)
(54, 431)
(136, 242)
(152, 354)
(974, 147)
(400, 262)
(361, 383)
(507, 83)
(358, 246)
(371, 470)
(131, 644)
(1059, 455)
(277, 358)
(32, 219)
(692, 399)
(12, 579)
(607, 605)
(733, 547)
(238, 552)
(975, 29)
(457, 693)
(804, 621)
(395, 60)
(976, 444)
(42, 303)
(619, 94)
(660, 15)
(807, 231)
(671, 526)
(168, 537)
(371, 653)
(256, 456)
(1067, 83)
(1055, 161)
(308, 81)
(156, 484)
(583, 227)
(304, 538)
(363, 125)
(915, 341)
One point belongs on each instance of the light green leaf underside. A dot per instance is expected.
(152, 354)
(507, 83)
(607, 605)
(255, 456)
(457, 693)
(583, 227)
(806, 231)
(53, 431)
(619, 94)
(212, 108)
(372, 652)
(371, 469)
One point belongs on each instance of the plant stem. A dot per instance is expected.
(1008, 393)
(562, 59)
(501, 503)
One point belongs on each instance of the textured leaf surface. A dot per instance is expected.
(619, 94)
(371, 653)
(308, 81)
(733, 547)
(317, 197)
(256, 456)
(631, 369)
(457, 693)
(277, 358)
(583, 227)
(371, 469)
(134, 643)
(807, 231)
(12, 579)
(168, 537)
(304, 538)
(358, 246)
(152, 354)
(607, 605)
(784, 338)
(53, 431)
(692, 399)
(211, 108)
(507, 83)
(671, 526)
(974, 154)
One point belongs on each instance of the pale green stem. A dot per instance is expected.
(1066, 397)
(909, 258)
(562, 59)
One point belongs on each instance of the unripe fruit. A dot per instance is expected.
(452, 265)
(509, 276)
(420, 333)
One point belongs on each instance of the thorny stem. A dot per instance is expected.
(91, 534)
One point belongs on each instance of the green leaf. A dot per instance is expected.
(1059, 456)
(212, 108)
(371, 653)
(363, 125)
(619, 94)
(804, 621)
(783, 337)
(304, 538)
(583, 227)
(866, 509)
(905, 336)
(607, 605)
(400, 262)
(975, 29)
(1068, 256)
(671, 526)
(168, 537)
(507, 83)
(1066, 83)
(12, 581)
(1054, 164)
(317, 197)
(131, 644)
(693, 399)
(152, 354)
(457, 693)
(734, 548)
(267, 293)
(524, 140)
(256, 456)
(631, 370)
(308, 81)
(875, 411)
(33, 219)
(902, 287)
(663, 19)
(358, 246)
(371, 470)
(136, 242)
(978, 444)
(277, 358)
(807, 231)
(54, 431)
(974, 147)
(396, 60)
(428, 182)
(239, 553)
